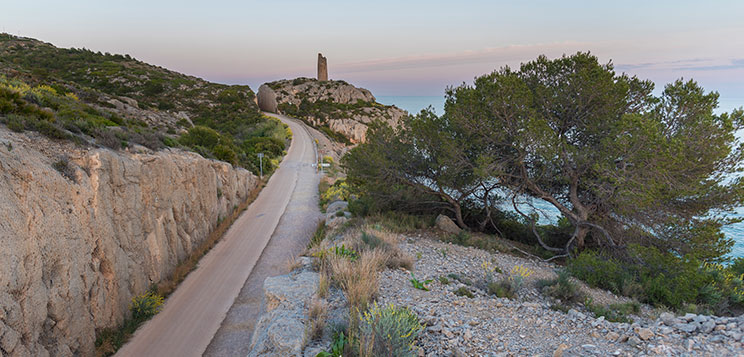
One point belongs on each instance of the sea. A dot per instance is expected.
(414, 104)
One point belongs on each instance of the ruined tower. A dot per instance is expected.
(322, 68)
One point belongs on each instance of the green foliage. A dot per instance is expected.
(388, 331)
(61, 83)
(339, 191)
(604, 272)
(142, 307)
(737, 266)
(444, 280)
(632, 168)
(337, 346)
(319, 235)
(421, 285)
(562, 288)
(503, 288)
(463, 291)
(145, 306)
(614, 312)
(664, 279)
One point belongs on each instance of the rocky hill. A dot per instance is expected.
(335, 107)
(107, 183)
(114, 100)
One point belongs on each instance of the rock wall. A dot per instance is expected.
(76, 248)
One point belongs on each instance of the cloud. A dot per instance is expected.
(497, 56)
(695, 64)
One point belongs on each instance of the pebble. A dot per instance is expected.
(489, 326)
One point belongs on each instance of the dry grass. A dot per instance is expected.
(293, 263)
(323, 285)
(317, 313)
(358, 279)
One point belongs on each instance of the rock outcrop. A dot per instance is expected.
(281, 330)
(338, 105)
(81, 236)
(322, 68)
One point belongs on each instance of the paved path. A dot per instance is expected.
(295, 228)
(194, 312)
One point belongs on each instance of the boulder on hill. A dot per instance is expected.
(446, 224)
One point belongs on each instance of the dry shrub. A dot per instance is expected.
(323, 285)
(293, 263)
(379, 238)
(358, 280)
(317, 312)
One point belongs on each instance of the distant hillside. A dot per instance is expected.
(338, 108)
(115, 101)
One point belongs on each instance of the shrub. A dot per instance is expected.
(503, 288)
(463, 291)
(388, 331)
(562, 288)
(614, 312)
(15, 123)
(421, 285)
(598, 271)
(664, 279)
(145, 306)
(358, 279)
(63, 167)
(337, 347)
(317, 314)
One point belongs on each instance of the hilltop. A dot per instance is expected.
(113, 99)
(338, 108)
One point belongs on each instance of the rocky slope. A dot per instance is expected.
(335, 105)
(81, 236)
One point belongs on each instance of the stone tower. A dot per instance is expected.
(322, 68)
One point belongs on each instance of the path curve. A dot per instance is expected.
(194, 312)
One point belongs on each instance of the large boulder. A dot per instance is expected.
(281, 330)
(446, 224)
(266, 99)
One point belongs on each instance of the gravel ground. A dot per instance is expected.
(489, 326)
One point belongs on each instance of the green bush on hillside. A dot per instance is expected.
(663, 279)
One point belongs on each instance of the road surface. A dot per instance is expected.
(195, 311)
(296, 227)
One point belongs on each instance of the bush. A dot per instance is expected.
(63, 166)
(664, 279)
(562, 288)
(463, 291)
(15, 123)
(145, 306)
(598, 271)
(388, 331)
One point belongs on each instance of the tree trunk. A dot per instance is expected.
(458, 215)
(581, 237)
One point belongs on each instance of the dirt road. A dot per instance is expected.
(195, 311)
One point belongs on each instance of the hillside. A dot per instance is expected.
(114, 100)
(340, 109)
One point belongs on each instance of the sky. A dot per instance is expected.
(398, 48)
